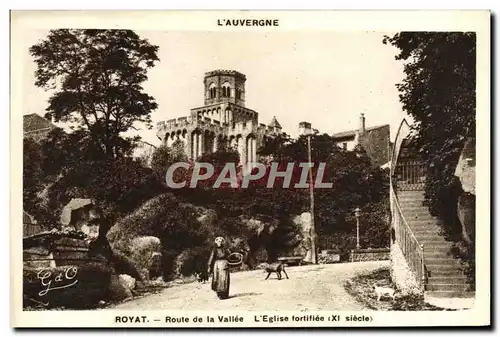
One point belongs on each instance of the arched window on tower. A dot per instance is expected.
(226, 90)
(212, 91)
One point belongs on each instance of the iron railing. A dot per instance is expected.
(412, 250)
(409, 175)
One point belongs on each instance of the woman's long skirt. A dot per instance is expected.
(220, 279)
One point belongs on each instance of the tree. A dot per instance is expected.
(97, 78)
(124, 187)
(32, 175)
(164, 156)
(438, 91)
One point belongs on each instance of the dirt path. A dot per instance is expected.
(317, 287)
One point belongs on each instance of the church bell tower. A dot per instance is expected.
(225, 86)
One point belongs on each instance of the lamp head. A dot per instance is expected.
(357, 212)
(305, 128)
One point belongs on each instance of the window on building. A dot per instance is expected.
(212, 91)
(344, 146)
(226, 90)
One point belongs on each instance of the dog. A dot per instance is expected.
(383, 291)
(202, 277)
(277, 268)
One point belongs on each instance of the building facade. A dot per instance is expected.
(375, 140)
(36, 127)
(223, 121)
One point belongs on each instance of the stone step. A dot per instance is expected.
(412, 207)
(411, 203)
(451, 271)
(421, 217)
(412, 213)
(450, 294)
(443, 267)
(428, 228)
(443, 261)
(421, 226)
(442, 251)
(431, 253)
(429, 237)
(432, 242)
(418, 199)
(447, 287)
(418, 193)
(437, 244)
(447, 280)
(411, 192)
(414, 216)
(423, 222)
(426, 232)
(410, 198)
(425, 228)
(444, 272)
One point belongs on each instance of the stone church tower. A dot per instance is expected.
(223, 120)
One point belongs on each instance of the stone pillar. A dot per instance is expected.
(248, 142)
(193, 146)
(242, 150)
(201, 144)
(254, 150)
(215, 145)
(187, 144)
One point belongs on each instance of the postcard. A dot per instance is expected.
(235, 169)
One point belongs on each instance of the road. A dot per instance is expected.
(313, 287)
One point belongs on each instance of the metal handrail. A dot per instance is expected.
(416, 263)
(403, 218)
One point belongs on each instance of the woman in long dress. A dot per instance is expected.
(218, 266)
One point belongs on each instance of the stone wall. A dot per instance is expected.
(376, 144)
(374, 254)
(401, 275)
(328, 256)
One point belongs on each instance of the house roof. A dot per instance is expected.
(74, 204)
(34, 122)
(274, 123)
(352, 133)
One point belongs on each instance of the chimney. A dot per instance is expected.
(362, 126)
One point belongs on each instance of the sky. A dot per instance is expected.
(325, 77)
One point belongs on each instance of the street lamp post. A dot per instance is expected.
(305, 129)
(357, 213)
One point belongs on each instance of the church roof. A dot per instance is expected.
(274, 123)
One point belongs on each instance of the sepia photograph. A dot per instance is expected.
(244, 170)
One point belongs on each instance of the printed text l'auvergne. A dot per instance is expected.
(248, 22)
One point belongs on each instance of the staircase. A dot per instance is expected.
(444, 273)
(416, 231)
